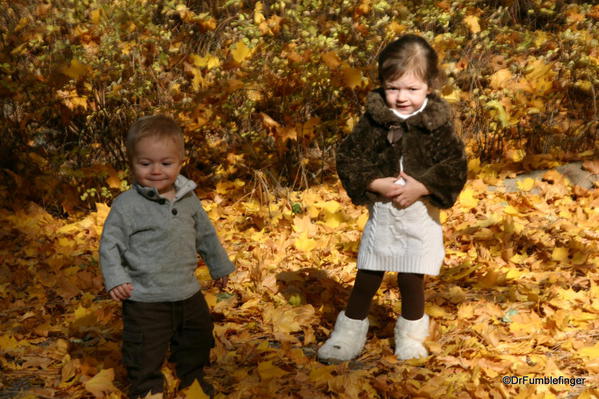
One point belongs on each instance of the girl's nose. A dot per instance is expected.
(402, 95)
(155, 168)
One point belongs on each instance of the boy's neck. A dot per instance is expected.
(170, 194)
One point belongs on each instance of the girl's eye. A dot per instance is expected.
(167, 163)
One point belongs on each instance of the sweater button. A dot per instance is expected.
(174, 211)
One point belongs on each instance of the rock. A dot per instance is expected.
(573, 171)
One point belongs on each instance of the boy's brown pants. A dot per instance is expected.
(150, 329)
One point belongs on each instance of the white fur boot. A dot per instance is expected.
(409, 336)
(346, 340)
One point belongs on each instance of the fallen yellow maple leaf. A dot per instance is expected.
(75, 69)
(394, 28)
(101, 384)
(540, 76)
(195, 391)
(472, 22)
(208, 61)
(352, 77)
(8, 343)
(305, 244)
(304, 225)
(560, 254)
(361, 222)
(198, 80)
(514, 155)
(437, 311)
(333, 220)
(591, 352)
(467, 199)
(268, 371)
(240, 52)
(72, 99)
(95, 15)
(331, 59)
(502, 114)
(526, 184)
(500, 78)
(258, 13)
(320, 373)
(510, 210)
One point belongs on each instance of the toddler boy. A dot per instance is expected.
(148, 255)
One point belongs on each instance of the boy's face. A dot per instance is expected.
(157, 163)
(406, 94)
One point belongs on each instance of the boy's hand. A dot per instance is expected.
(121, 292)
(410, 192)
(221, 283)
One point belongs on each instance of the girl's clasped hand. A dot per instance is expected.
(403, 190)
(410, 191)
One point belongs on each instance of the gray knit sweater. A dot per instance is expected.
(153, 243)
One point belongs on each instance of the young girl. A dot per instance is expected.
(405, 162)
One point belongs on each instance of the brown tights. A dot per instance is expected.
(411, 288)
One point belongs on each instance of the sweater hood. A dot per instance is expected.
(183, 186)
(436, 114)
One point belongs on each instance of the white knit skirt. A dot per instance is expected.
(406, 240)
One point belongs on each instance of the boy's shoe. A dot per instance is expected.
(346, 340)
(409, 338)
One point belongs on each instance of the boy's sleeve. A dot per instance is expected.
(113, 245)
(209, 246)
(446, 179)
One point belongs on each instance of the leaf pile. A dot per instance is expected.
(517, 296)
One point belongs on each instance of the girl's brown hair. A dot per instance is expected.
(409, 53)
(158, 126)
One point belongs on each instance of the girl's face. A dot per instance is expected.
(406, 94)
(157, 163)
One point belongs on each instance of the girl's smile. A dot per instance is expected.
(406, 94)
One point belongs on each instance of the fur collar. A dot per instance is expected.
(436, 114)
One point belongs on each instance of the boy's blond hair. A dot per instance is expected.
(157, 126)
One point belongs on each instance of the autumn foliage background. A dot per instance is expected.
(264, 91)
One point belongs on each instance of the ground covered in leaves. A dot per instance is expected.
(517, 296)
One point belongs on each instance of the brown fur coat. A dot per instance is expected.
(432, 153)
